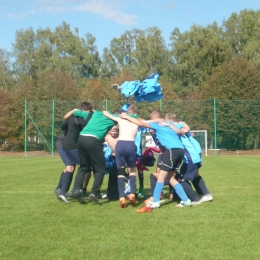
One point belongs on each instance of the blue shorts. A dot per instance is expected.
(188, 171)
(72, 157)
(62, 155)
(125, 154)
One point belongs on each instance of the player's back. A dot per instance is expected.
(127, 131)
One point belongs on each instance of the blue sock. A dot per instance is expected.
(180, 191)
(157, 191)
(132, 179)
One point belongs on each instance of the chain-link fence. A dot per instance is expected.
(231, 125)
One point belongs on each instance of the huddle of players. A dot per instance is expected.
(178, 147)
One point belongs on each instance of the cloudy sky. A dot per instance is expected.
(106, 19)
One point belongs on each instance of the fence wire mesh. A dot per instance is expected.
(232, 125)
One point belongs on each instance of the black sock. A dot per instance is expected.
(60, 181)
(141, 179)
(200, 186)
(153, 181)
(121, 186)
(66, 181)
(189, 191)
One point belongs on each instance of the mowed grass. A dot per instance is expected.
(36, 225)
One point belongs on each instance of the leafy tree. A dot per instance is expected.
(61, 49)
(4, 107)
(195, 54)
(237, 79)
(242, 34)
(138, 52)
(7, 81)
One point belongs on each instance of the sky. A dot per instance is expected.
(108, 19)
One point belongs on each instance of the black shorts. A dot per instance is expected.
(172, 159)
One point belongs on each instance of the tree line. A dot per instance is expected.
(219, 62)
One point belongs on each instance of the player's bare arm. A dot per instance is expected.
(157, 120)
(107, 114)
(185, 126)
(134, 120)
(70, 113)
(174, 128)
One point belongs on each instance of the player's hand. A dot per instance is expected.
(182, 131)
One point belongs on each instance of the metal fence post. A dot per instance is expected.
(215, 125)
(52, 132)
(25, 128)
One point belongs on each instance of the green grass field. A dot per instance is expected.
(36, 225)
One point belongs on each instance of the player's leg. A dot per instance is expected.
(85, 166)
(174, 158)
(63, 156)
(95, 151)
(200, 186)
(112, 187)
(130, 156)
(187, 173)
(85, 183)
(141, 183)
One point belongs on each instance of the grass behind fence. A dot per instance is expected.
(35, 225)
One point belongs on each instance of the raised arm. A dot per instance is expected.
(107, 114)
(134, 120)
(185, 129)
(158, 120)
(174, 128)
(81, 113)
(70, 113)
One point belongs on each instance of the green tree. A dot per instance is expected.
(242, 34)
(7, 81)
(61, 49)
(238, 79)
(140, 52)
(195, 54)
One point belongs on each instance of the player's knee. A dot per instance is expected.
(121, 172)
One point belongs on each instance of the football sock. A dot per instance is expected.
(153, 181)
(66, 180)
(200, 186)
(180, 191)
(189, 191)
(60, 181)
(121, 186)
(132, 179)
(141, 179)
(157, 191)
